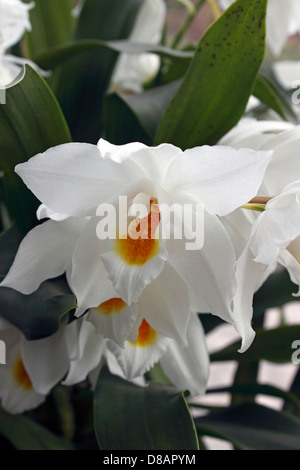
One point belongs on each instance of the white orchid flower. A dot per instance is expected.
(273, 236)
(187, 367)
(33, 368)
(283, 21)
(131, 70)
(17, 393)
(78, 179)
(14, 22)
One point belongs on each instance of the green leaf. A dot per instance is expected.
(9, 243)
(55, 56)
(26, 434)
(275, 292)
(274, 98)
(40, 314)
(128, 417)
(258, 389)
(134, 118)
(30, 122)
(52, 24)
(253, 427)
(215, 91)
(87, 77)
(270, 345)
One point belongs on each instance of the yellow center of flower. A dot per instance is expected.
(20, 375)
(146, 337)
(138, 250)
(111, 306)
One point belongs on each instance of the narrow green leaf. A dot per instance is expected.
(128, 417)
(55, 56)
(134, 118)
(215, 91)
(87, 76)
(270, 345)
(40, 314)
(258, 389)
(31, 121)
(274, 98)
(26, 434)
(253, 427)
(52, 24)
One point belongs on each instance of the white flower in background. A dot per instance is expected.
(33, 368)
(14, 21)
(187, 368)
(167, 280)
(131, 70)
(273, 236)
(283, 21)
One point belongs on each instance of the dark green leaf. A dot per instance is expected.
(26, 434)
(52, 24)
(274, 98)
(215, 91)
(87, 77)
(259, 389)
(30, 122)
(40, 314)
(55, 56)
(253, 427)
(275, 292)
(270, 345)
(134, 118)
(128, 417)
(9, 243)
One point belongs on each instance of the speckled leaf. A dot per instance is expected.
(217, 86)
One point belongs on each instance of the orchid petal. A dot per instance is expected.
(188, 368)
(44, 253)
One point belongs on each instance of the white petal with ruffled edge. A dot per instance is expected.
(44, 253)
(221, 178)
(137, 358)
(188, 368)
(114, 319)
(129, 280)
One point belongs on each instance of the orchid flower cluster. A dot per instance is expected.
(146, 234)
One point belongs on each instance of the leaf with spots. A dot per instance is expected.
(215, 91)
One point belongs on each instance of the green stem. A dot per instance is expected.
(254, 207)
(187, 23)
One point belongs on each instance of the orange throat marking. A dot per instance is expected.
(146, 337)
(140, 245)
(111, 306)
(21, 376)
